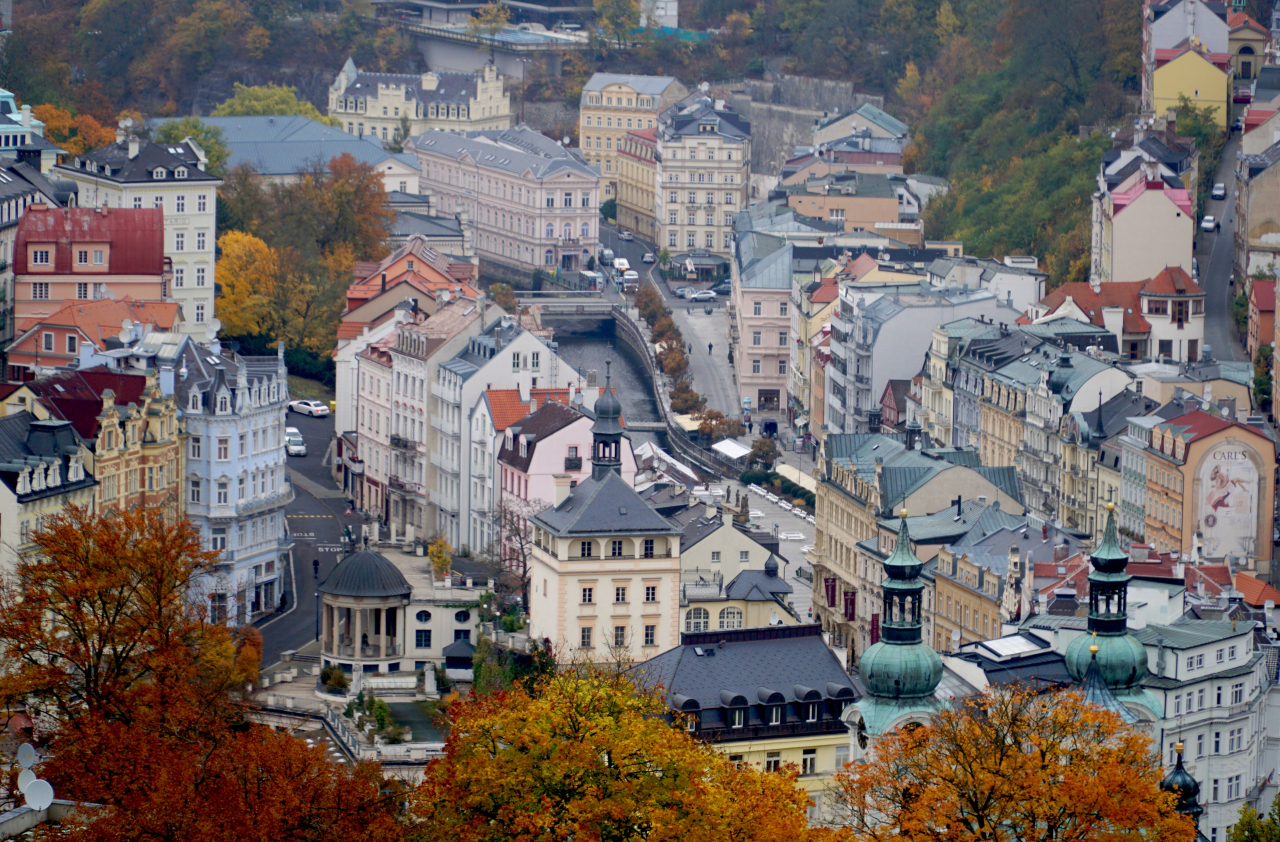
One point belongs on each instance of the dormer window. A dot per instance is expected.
(180, 172)
(195, 401)
(224, 403)
(774, 714)
(524, 447)
(737, 717)
(158, 173)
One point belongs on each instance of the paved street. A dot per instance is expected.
(1214, 253)
(316, 518)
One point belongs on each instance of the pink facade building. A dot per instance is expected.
(554, 440)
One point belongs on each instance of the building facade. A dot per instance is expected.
(383, 104)
(533, 203)
(637, 177)
(133, 173)
(235, 483)
(613, 104)
(760, 314)
(703, 174)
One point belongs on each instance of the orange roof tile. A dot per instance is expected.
(1115, 294)
(507, 408)
(1236, 20)
(101, 319)
(1255, 591)
(350, 330)
(1172, 280)
(1264, 295)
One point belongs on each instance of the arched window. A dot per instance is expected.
(549, 258)
(697, 620)
(224, 403)
(551, 229)
(730, 618)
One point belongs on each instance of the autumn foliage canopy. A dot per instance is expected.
(1011, 766)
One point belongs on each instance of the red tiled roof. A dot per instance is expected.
(1256, 592)
(350, 330)
(1256, 117)
(864, 264)
(76, 396)
(1198, 424)
(135, 237)
(1116, 294)
(506, 407)
(1264, 295)
(1218, 60)
(825, 294)
(1172, 280)
(1236, 20)
(100, 320)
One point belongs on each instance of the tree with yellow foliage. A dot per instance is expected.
(441, 555)
(249, 274)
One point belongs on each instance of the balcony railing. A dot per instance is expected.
(350, 650)
(444, 463)
(445, 423)
(283, 497)
(403, 443)
(573, 463)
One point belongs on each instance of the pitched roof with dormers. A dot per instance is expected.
(605, 506)
(150, 163)
(99, 321)
(547, 421)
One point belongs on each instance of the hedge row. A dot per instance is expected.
(770, 479)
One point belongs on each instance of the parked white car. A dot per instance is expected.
(315, 409)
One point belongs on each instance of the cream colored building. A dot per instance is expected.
(704, 166)
(1141, 227)
(613, 104)
(637, 175)
(378, 103)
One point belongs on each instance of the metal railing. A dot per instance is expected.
(267, 501)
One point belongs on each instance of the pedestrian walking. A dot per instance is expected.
(708, 348)
(749, 426)
(284, 598)
(316, 566)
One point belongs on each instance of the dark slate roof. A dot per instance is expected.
(113, 162)
(547, 421)
(696, 526)
(757, 586)
(688, 116)
(19, 179)
(368, 574)
(409, 223)
(459, 649)
(973, 519)
(453, 87)
(1042, 667)
(782, 659)
(26, 442)
(606, 506)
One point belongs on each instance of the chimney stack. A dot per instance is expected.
(562, 488)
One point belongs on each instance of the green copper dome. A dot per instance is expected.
(898, 671)
(1122, 660)
(901, 665)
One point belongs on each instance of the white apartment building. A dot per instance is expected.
(133, 173)
(613, 104)
(532, 202)
(703, 171)
(379, 103)
(502, 356)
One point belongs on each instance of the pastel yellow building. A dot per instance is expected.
(1202, 77)
(770, 697)
(613, 104)
(637, 174)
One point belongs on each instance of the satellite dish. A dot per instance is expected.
(125, 335)
(27, 755)
(216, 324)
(566, 140)
(127, 324)
(25, 779)
(39, 795)
(210, 332)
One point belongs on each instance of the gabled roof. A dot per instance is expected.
(135, 237)
(548, 420)
(604, 506)
(1179, 196)
(76, 396)
(1242, 20)
(757, 586)
(1124, 295)
(99, 321)
(651, 85)
(1255, 591)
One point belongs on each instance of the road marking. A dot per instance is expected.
(308, 515)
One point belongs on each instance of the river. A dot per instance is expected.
(590, 352)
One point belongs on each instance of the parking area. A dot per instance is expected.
(794, 530)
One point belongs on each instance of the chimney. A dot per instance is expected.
(1060, 552)
(913, 434)
(133, 148)
(958, 501)
(562, 488)
(384, 281)
(26, 116)
(711, 511)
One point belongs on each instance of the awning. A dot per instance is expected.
(687, 423)
(731, 448)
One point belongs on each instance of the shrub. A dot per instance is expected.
(333, 678)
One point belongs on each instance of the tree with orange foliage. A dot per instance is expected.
(102, 610)
(587, 754)
(1010, 766)
(101, 626)
(78, 134)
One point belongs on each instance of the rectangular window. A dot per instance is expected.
(585, 549)
(782, 367)
(422, 638)
(772, 761)
(755, 366)
(1218, 654)
(756, 309)
(755, 337)
(200, 276)
(1237, 693)
(648, 548)
(588, 596)
(715, 556)
(782, 338)
(82, 257)
(650, 593)
(200, 203)
(584, 639)
(47, 341)
(650, 635)
(40, 257)
(1213, 795)
(179, 278)
(224, 449)
(615, 548)
(1199, 745)
(179, 241)
(809, 762)
(200, 239)
(619, 632)
(1231, 653)
(40, 291)
(82, 291)
(180, 204)
(195, 491)
(194, 447)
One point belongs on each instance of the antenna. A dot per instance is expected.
(39, 793)
(215, 325)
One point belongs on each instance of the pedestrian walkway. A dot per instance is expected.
(710, 373)
(312, 487)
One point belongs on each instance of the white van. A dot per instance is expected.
(606, 257)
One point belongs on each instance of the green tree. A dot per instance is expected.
(764, 452)
(1253, 827)
(489, 20)
(617, 18)
(208, 137)
(273, 100)
(664, 256)
(609, 209)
